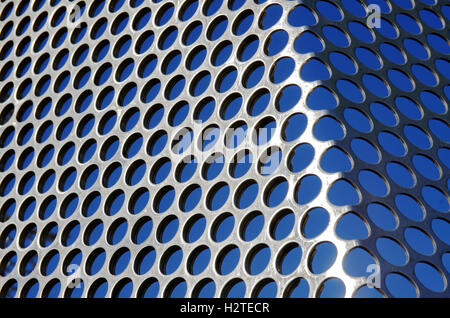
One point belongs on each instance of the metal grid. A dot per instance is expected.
(55, 61)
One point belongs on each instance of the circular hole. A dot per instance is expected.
(164, 199)
(200, 83)
(352, 226)
(186, 169)
(322, 257)
(253, 74)
(391, 251)
(167, 229)
(222, 227)
(138, 201)
(227, 259)
(192, 32)
(382, 216)
(235, 288)
(144, 260)
(171, 260)
(246, 194)
(190, 198)
(194, 228)
(95, 261)
(119, 261)
(251, 226)
(195, 57)
(93, 232)
(400, 286)
(307, 189)
(217, 196)
(288, 258)
(314, 222)
(257, 259)
(213, 166)
(198, 260)
(275, 192)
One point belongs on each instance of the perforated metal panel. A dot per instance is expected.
(224, 148)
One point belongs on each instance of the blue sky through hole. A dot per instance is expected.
(347, 94)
